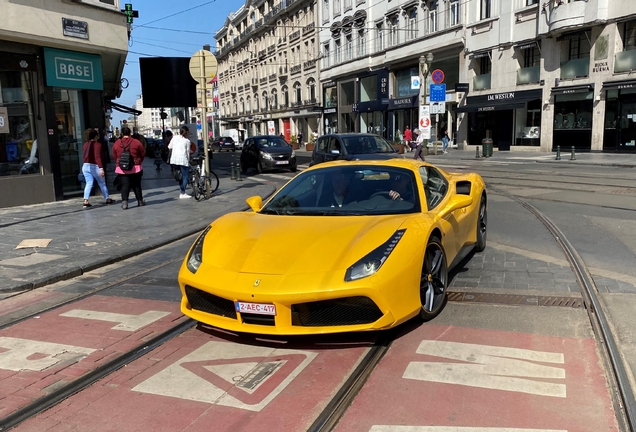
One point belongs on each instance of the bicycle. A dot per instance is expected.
(203, 184)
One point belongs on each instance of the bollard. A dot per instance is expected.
(558, 156)
(238, 172)
(573, 155)
(233, 175)
(477, 153)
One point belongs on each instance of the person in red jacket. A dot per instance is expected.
(408, 137)
(129, 178)
(93, 168)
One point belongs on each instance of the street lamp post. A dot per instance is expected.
(425, 68)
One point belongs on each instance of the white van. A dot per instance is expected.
(238, 135)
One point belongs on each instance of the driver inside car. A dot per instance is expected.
(401, 188)
(340, 192)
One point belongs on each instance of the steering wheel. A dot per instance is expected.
(384, 194)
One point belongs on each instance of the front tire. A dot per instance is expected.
(259, 167)
(293, 168)
(482, 226)
(433, 280)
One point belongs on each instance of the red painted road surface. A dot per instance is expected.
(444, 396)
(53, 350)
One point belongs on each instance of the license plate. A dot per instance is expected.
(256, 308)
(282, 162)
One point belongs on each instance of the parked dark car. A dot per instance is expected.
(352, 146)
(223, 143)
(267, 152)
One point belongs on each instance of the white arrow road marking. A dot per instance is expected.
(126, 322)
(17, 358)
(245, 377)
(489, 368)
(382, 428)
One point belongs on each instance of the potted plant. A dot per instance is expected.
(398, 145)
(312, 142)
(294, 142)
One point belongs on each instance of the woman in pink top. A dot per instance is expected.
(129, 178)
(93, 168)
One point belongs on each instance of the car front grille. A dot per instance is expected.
(279, 157)
(338, 312)
(209, 303)
(266, 320)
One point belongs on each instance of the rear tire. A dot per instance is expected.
(482, 226)
(213, 181)
(196, 181)
(433, 280)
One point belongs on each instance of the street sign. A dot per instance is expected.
(438, 107)
(437, 76)
(438, 93)
(270, 127)
(4, 120)
(425, 121)
(203, 66)
(415, 82)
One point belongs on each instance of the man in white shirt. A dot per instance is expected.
(181, 147)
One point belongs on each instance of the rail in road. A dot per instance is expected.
(269, 368)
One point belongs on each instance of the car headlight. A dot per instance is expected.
(266, 155)
(371, 263)
(196, 253)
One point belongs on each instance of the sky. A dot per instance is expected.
(167, 28)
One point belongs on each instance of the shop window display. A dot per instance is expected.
(573, 120)
(18, 143)
(68, 109)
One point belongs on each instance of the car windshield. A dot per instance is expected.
(266, 142)
(354, 190)
(366, 144)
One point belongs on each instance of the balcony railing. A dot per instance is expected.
(271, 49)
(296, 68)
(308, 28)
(296, 104)
(263, 80)
(309, 64)
(258, 23)
(262, 53)
(282, 40)
(529, 75)
(294, 35)
(482, 82)
(272, 77)
(311, 101)
(625, 61)
(576, 68)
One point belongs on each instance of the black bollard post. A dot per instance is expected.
(238, 172)
(573, 155)
(477, 153)
(233, 175)
(558, 156)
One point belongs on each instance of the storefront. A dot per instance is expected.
(620, 116)
(403, 112)
(330, 107)
(573, 107)
(509, 118)
(373, 91)
(346, 101)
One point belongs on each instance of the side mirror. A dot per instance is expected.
(335, 152)
(456, 203)
(255, 203)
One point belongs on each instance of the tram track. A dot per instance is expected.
(623, 395)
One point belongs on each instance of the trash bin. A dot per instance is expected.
(486, 144)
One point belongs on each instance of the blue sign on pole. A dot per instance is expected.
(438, 92)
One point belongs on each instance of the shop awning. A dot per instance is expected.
(585, 88)
(526, 45)
(493, 106)
(622, 84)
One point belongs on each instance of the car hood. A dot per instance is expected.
(276, 245)
(276, 150)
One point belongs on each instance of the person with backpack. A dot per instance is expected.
(129, 155)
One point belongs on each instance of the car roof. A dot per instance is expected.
(265, 136)
(407, 163)
(353, 134)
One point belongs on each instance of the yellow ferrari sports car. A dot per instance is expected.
(343, 246)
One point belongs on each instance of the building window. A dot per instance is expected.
(379, 40)
(485, 65)
(412, 24)
(369, 88)
(454, 10)
(299, 93)
(531, 2)
(265, 104)
(347, 5)
(256, 104)
(326, 55)
(249, 105)
(485, 9)
(579, 47)
(336, 8)
(629, 36)
(349, 47)
(531, 57)
(242, 106)
(394, 22)
(432, 17)
(338, 49)
(325, 10)
(286, 96)
(361, 43)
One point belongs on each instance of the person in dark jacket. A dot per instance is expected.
(93, 168)
(130, 178)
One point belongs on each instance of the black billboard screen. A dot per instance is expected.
(166, 82)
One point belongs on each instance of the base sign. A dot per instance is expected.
(425, 121)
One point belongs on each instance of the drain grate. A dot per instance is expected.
(515, 299)
(626, 191)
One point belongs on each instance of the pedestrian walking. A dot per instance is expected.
(181, 149)
(300, 139)
(124, 148)
(93, 167)
(408, 137)
(445, 141)
(420, 144)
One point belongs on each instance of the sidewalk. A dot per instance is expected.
(85, 239)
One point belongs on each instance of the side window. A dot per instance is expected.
(435, 186)
(248, 143)
(334, 144)
(322, 145)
